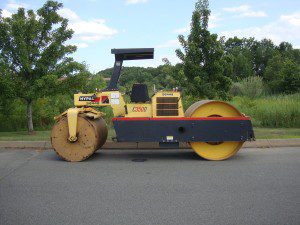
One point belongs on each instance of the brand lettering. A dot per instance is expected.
(86, 98)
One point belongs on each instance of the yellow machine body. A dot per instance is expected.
(163, 104)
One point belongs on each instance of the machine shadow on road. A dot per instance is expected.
(128, 154)
(145, 154)
(141, 155)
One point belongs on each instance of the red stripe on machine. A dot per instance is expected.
(180, 118)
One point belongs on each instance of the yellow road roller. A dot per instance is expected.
(215, 130)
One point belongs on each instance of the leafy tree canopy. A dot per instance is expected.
(34, 52)
(202, 58)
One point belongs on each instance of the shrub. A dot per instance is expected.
(251, 87)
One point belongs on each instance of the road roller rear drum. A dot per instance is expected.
(91, 135)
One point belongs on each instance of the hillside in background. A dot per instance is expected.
(162, 77)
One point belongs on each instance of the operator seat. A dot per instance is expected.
(139, 93)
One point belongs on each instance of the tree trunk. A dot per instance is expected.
(29, 117)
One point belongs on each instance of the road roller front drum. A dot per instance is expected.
(91, 135)
(214, 150)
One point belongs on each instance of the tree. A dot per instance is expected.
(241, 59)
(282, 75)
(242, 67)
(202, 58)
(287, 51)
(6, 85)
(34, 54)
(262, 52)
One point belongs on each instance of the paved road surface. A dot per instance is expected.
(258, 186)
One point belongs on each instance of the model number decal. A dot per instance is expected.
(139, 109)
(167, 94)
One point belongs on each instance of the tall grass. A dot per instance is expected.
(271, 111)
(252, 87)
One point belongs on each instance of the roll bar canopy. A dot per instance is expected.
(133, 53)
(122, 54)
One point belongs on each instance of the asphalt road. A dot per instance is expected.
(257, 186)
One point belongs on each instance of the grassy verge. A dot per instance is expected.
(24, 136)
(260, 133)
(276, 133)
(271, 111)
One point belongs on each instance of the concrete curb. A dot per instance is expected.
(261, 143)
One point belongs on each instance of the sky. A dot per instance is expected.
(100, 25)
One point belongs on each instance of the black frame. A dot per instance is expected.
(126, 54)
(183, 130)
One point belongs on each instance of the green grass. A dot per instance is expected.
(24, 136)
(260, 133)
(271, 111)
(276, 133)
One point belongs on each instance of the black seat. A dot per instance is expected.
(139, 93)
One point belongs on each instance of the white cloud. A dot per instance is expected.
(132, 2)
(81, 45)
(13, 5)
(293, 19)
(245, 11)
(68, 13)
(93, 28)
(241, 8)
(213, 20)
(6, 13)
(254, 14)
(90, 37)
(169, 44)
(87, 30)
(287, 28)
